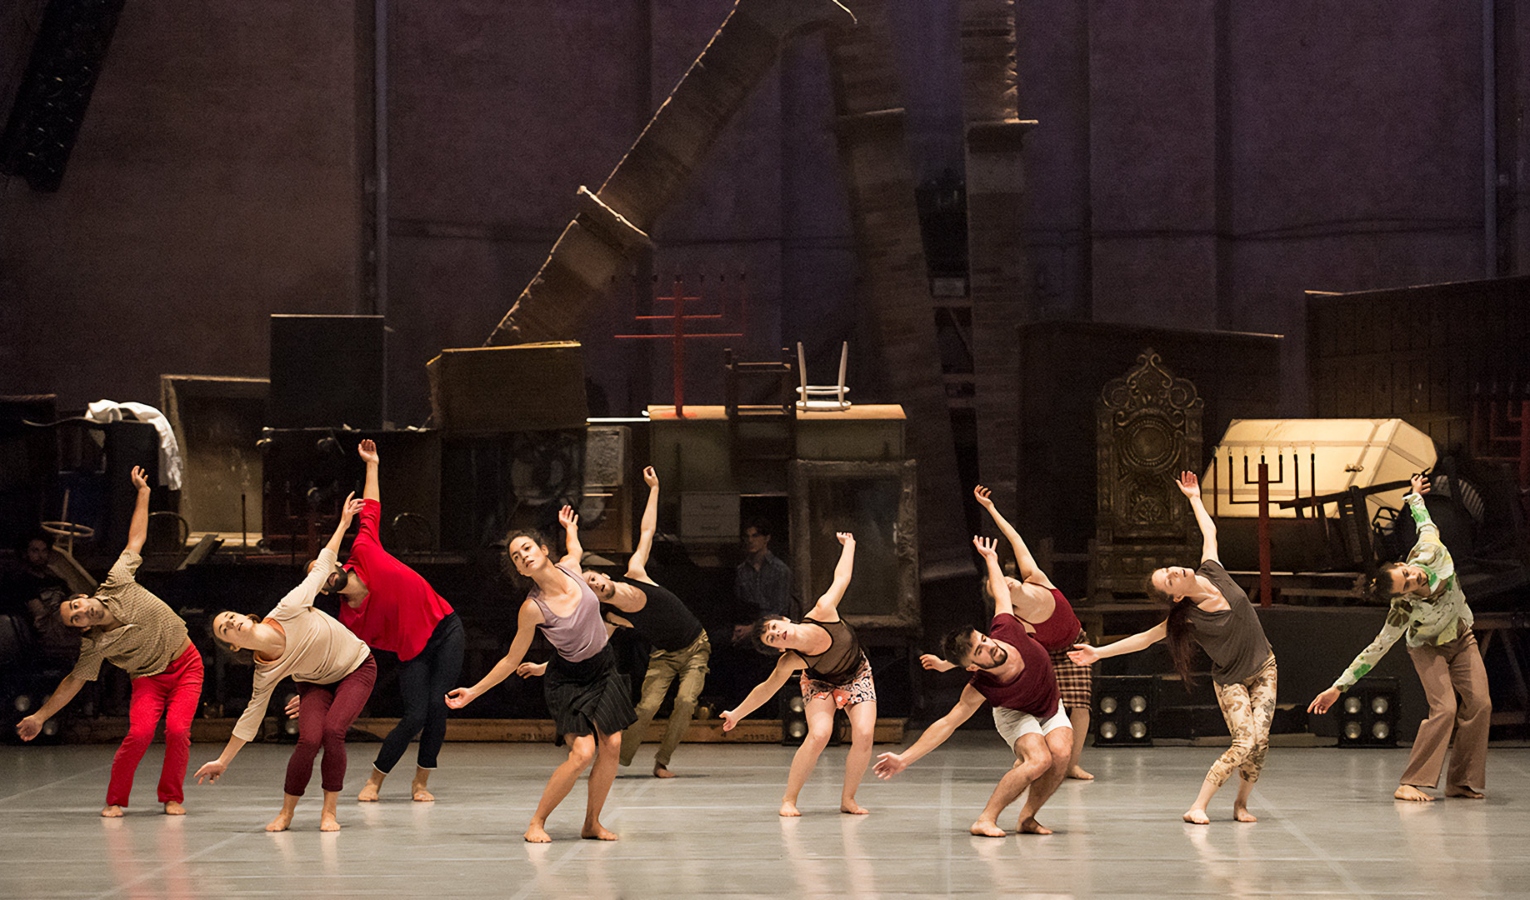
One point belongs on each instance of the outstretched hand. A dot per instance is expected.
(934, 663)
(367, 450)
(567, 517)
(845, 538)
(456, 698)
(531, 670)
(1189, 484)
(29, 728)
(211, 771)
(352, 508)
(988, 547)
(984, 496)
(889, 764)
(650, 477)
(140, 478)
(1324, 701)
(1420, 484)
(1083, 655)
(730, 720)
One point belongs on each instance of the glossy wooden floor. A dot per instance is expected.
(1328, 827)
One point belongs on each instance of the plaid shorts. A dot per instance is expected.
(1074, 682)
(859, 689)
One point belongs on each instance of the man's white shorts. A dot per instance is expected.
(1013, 723)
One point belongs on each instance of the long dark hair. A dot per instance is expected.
(1181, 646)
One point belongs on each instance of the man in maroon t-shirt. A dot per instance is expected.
(1014, 673)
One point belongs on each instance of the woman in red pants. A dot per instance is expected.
(334, 672)
(134, 630)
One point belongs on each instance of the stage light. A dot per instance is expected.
(793, 716)
(50, 728)
(1125, 709)
(23, 703)
(1370, 714)
(286, 726)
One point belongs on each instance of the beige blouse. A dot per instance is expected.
(319, 649)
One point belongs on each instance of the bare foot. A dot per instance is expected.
(111, 812)
(536, 834)
(174, 809)
(1079, 774)
(1241, 814)
(597, 832)
(1464, 792)
(789, 810)
(421, 795)
(282, 822)
(368, 793)
(1031, 826)
(1409, 792)
(852, 808)
(662, 771)
(1197, 817)
(985, 828)
(328, 822)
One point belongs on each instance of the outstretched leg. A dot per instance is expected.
(608, 750)
(863, 727)
(581, 752)
(1031, 760)
(820, 722)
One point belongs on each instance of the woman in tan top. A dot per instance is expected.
(334, 672)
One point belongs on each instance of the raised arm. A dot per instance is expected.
(367, 450)
(890, 764)
(829, 599)
(1083, 654)
(1024, 561)
(1190, 486)
(785, 666)
(637, 566)
(988, 548)
(525, 628)
(138, 527)
(348, 513)
(32, 725)
(573, 550)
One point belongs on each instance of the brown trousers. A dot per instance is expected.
(1446, 671)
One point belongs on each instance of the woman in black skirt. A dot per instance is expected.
(589, 700)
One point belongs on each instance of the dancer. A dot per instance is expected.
(1426, 602)
(680, 645)
(125, 625)
(837, 676)
(391, 607)
(1219, 618)
(1012, 671)
(1053, 624)
(589, 700)
(334, 672)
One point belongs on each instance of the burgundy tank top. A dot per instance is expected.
(1060, 630)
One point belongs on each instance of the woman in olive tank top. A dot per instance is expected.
(836, 676)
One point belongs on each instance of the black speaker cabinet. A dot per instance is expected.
(327, 371)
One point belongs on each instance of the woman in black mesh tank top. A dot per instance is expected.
(836, 676)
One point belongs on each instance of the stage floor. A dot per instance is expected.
(1328, 827)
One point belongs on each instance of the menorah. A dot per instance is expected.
(679, 319)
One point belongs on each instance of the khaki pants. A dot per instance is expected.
(664, 666)
(1446, 671)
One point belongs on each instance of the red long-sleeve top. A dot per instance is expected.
(401, 609)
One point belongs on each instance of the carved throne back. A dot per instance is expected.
(1148, 430)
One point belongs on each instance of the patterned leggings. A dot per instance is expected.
(1248, 707)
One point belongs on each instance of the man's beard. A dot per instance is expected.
(338, 581)
(1000, 657)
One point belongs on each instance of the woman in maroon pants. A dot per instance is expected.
(334, 672)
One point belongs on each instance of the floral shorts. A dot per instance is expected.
(860, 688)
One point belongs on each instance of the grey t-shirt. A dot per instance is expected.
(1233, 637)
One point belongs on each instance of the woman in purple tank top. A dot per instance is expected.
(589, 700)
